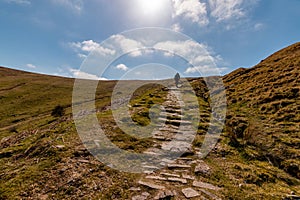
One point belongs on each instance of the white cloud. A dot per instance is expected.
(223, 10)
(20, 2)
(122, 67)
(76, 73)
(176, 27)
(88, 46)
(199, 55)
(128, 45)
(258, 26)
(31, 66)
(75, 5)
(81, 55)
(191, 10)
(206, 70)
(203, 12)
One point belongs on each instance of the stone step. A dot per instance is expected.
(151, 185)
(177, 146)
(171, 166)
(174, 179)
(169, 174)
(162, 138)
(168, 110)
(166, 114)
(156, 178)
(188, 177)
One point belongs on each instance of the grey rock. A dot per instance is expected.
(181, 180)
(164, 194)
(189, 177)
(205, 185)
(202, 168)
(151, 185)
(211, 195)
(190, 193)
(156, 178)
(177, 146)
(135, 189)
(143, 196)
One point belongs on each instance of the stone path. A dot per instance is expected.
(179, 179)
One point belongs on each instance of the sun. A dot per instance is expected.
(151, 7)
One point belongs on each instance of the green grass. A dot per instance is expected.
(42, 156)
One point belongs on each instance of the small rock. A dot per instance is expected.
(60, 146)
(151, 185)
(84, 161)
(202, 168)
(135, 189)
(190, 193)
(164, 194)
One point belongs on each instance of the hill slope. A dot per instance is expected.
(257, 157)
(268, 96)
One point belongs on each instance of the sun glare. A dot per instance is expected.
(151, 7)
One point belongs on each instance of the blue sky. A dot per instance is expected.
(55, 36)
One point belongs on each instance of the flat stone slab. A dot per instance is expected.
(190, 193)
(162, 138)
(156, 178)
(168, 174)
(177, 146)
(189, 177)
(152, 185)
(181, 180)
(135, 189)
(205, 185)
(178, 166)
(143, 196)
(211, 195)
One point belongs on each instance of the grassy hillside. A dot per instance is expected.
(257, 157)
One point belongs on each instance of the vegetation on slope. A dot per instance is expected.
(41, 155)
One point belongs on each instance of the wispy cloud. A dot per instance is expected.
(74, 5)
(176, 27)
(85, 47)
(126, 45)
(199, 55)
(203, 12)
(76, 73)
(226, 9)
(31, 66)
(193, 10)
(258, 26)
(122, 67)
(20, 2)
